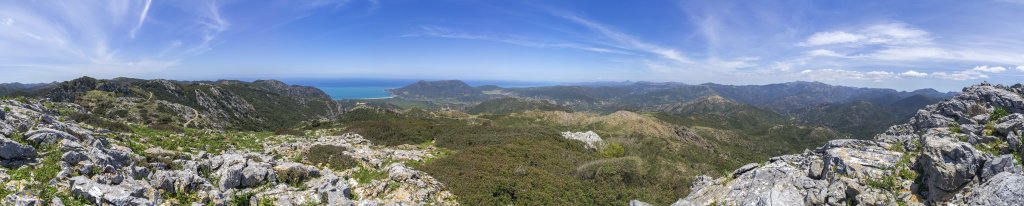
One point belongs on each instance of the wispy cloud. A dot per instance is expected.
(626, 41)
(898, 42)
(142, 18)
(441, 32)
(98, 35)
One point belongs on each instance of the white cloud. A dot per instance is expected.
(961, 75)
(978, 72)
(986, 68)
(911, 53)
(7, 21)
(831, 37)
(1021, 68)
(841, 74)
(881, 34)
(912, 73)
(824, 52)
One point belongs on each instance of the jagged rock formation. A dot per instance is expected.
(961, 151)
(100, 167)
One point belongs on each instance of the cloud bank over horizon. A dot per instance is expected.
(902, 45)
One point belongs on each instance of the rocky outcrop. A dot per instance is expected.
(590, 139)
(93, 165)
(953, 152)
(1003, 189)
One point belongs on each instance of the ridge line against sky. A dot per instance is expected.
(893, 44)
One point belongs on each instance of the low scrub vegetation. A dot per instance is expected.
(330, 156)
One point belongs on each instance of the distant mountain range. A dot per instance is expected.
(860, 112)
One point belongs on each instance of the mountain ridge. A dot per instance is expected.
(930, 159)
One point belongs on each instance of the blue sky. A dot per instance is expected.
(894, 44)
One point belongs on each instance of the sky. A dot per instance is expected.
(903, 45)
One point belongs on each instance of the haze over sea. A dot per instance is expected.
(368, 88)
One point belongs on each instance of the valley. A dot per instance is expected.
(440, 142)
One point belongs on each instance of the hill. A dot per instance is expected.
(260, 105)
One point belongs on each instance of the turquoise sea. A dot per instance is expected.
(357, 92)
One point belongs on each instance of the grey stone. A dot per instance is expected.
(48, 136)
(231, 176)
(857, 158)
(401, 173)
(778, 182)
(7, 129)
(256, 173)
(176, 181)
(1010, 123)
(815, 169)
(972, 129)
(73, 157)
(19, 199)
(590, 139)
(139, 172)
(744, 169)
(947, 166)
(638, 203)
(1002, 189)
(1014, 142)
(56, 202)
(9, 149)
(700, 182)
(98, 193)
(332, 190)
(1000, 164)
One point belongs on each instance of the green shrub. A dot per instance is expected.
(100, 122)
(613, 150)
(954, 128)
(998, 113)
(364, 175)
(242, 199)
(887, 182)
(330, 156)
(990, 128)
(293, 177)
(628, 170)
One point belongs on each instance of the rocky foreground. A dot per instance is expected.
(49, 161)
(963, 151)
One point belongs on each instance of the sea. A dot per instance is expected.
(365, 88)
